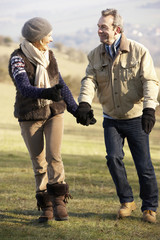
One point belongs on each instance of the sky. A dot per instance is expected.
(69, 16)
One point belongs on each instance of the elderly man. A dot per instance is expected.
(122, 73)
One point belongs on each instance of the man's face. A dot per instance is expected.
(107, 33)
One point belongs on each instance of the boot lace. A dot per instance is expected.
(67, 197)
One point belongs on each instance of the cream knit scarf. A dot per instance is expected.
(41, 61)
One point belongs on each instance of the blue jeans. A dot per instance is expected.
(115, 131)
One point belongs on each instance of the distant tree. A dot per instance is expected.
(60, 47)
(5, 40)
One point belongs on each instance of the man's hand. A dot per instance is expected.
(53, 93)
(84, 114)
(148, 119)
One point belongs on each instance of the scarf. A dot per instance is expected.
(112, 50)
(41, 61)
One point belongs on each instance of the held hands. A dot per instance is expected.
(53, 93)
(148, 119)
(84, 114)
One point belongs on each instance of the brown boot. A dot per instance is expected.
(126, 209)
(59, 194)
(45, 204)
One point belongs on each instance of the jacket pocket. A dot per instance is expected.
(129, 70)
(131, 84)
(102, 75)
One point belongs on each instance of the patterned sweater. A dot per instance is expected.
(29, 91)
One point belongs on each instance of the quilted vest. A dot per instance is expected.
(28, 109)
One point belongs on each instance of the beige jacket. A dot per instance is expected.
(124, 86)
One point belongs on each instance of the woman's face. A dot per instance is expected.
(42, 45)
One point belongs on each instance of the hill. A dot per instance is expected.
(72, 64)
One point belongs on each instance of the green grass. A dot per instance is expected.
(94, 206)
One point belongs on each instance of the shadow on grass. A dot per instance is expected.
(24, 217)
(101, 216)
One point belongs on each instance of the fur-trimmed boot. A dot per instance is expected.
(59, 194)
(44, 203)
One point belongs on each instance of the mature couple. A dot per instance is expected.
(121, 71)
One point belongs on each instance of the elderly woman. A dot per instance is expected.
(41, 98)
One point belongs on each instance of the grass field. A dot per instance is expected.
(94, 206)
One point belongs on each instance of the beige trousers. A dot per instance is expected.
(43, 140)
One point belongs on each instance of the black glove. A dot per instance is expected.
(84, 114)
(148, 119)
(53, 93)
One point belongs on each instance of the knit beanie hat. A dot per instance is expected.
(35, 29)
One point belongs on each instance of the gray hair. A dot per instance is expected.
(118, 21)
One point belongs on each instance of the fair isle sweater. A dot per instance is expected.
(29, 91)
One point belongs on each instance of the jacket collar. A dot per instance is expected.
(124, 45)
